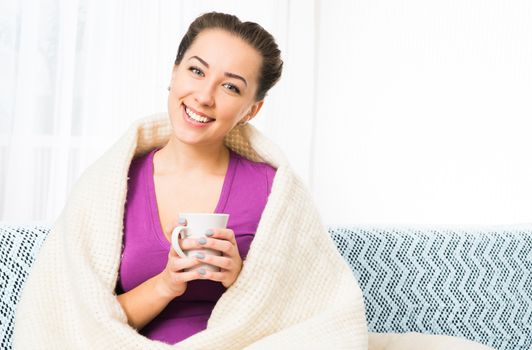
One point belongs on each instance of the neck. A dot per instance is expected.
(177, 157)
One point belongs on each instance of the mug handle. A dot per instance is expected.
(178, 231)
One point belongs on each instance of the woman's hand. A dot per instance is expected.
(172, 281)
(230, 263)
(144, 302)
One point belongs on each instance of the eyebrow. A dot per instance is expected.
(227, 74)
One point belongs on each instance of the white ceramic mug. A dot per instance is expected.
(197, 225)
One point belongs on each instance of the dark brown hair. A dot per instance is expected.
(250, 32)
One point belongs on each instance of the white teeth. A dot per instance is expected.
(195, 116)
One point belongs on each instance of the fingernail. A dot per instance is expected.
(201, 271)
(182, 221)
(200, 255)
(202, 240)
(209, 233)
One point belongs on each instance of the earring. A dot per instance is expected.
(169, 88)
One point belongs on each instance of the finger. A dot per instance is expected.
(174, 223)
(186, 276)
(224, 246)
(178, 264)
(168, 233)
(222, 233)
(204, 242)
(219, 261)
(173, 253)
(189, 243)
(215, 276)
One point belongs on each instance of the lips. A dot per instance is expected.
(196, 116)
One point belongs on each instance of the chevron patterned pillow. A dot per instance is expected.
(18, 248)
(474, 283)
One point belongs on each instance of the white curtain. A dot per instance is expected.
(391, 111)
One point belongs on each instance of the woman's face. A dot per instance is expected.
(213, 88)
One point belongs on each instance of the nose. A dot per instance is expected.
(205, 94)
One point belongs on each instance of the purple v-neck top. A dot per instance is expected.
(245, 191)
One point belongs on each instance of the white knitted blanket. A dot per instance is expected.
(294, 291)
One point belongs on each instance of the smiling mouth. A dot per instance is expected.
(196, 117)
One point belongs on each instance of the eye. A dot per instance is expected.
(196, 71)
(232, 88)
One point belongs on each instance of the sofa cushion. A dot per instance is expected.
(471, 282)
(18, 248)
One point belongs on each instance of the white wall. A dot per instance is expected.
(391, 111)
(425, 112)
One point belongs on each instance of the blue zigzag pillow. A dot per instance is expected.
(473, 283)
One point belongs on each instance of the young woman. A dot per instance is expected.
(221, 75)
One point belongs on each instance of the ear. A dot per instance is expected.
(255, 108)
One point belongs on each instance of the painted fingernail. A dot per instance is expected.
(182, 221)
(202, 240)
(200, 255)
(209, 233)
(201, 271)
